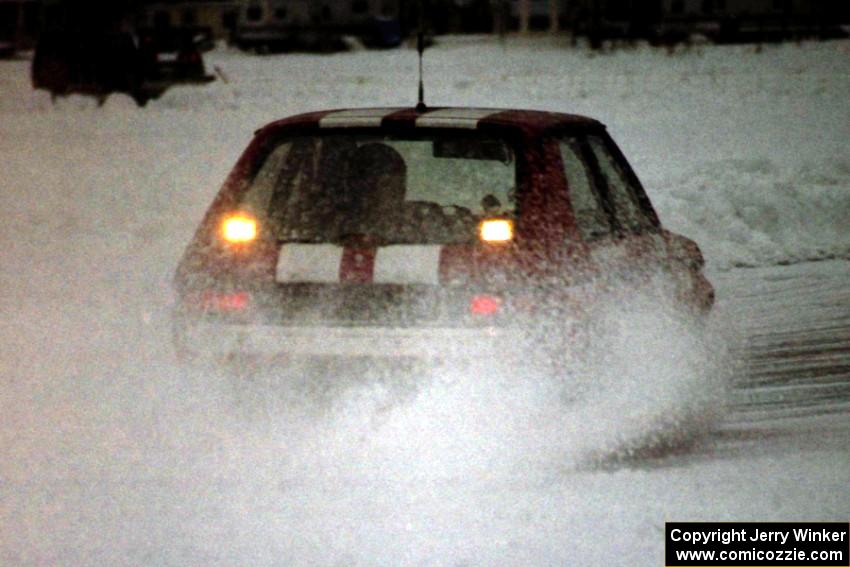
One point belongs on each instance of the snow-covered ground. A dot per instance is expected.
(113, 455)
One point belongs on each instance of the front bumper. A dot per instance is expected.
(224, 339)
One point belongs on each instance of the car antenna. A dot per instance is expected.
(420, 48)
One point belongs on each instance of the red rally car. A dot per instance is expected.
(405, 232)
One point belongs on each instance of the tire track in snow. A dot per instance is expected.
(794, 358)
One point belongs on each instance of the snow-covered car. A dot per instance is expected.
(405, 232)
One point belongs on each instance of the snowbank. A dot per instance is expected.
(755, 212)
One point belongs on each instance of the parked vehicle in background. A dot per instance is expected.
(100, 63)
(96, 64)
(174, 54)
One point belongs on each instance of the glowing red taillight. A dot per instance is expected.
(484, 304)
(219, 301)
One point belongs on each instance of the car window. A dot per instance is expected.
(455, 180)
(430, 189)
(620, 188)
(591, 219)
(258, 198)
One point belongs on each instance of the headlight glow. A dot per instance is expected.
(496, 230)
(239, 229)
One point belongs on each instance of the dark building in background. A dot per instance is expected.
(253, 23)
(265, 25)
(718, 20)
(219, 17)
(271, 24)
(645, 19)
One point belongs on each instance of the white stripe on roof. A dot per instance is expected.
(358, 117)
(454, 117)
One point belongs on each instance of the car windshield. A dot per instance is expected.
(429, 189)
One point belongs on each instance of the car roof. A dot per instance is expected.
(527, 122)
